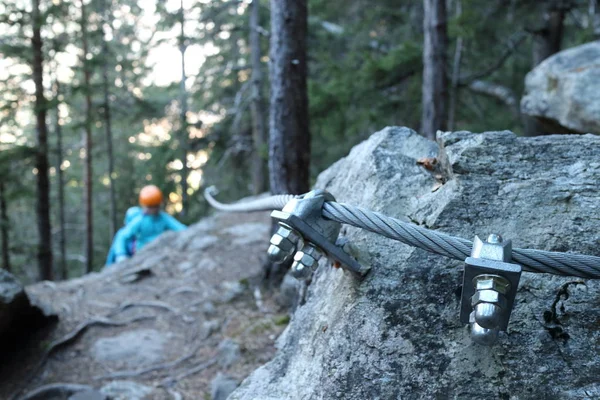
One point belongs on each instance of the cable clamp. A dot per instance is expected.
(490, 283)
(304, 234)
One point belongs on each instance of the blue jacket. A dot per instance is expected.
(130, 215)
(144, 229)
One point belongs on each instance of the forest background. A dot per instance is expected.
(101, 97)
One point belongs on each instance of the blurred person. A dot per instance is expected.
(146, 226)
(130, 215)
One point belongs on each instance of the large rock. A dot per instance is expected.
(397, 333)
(564, 90)
(18, 317)
(136, 348)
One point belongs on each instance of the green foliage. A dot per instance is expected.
(365, 62)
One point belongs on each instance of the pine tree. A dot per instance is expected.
(435, 81)
(289, 138)
(88, 172)
(43, 183)
(259, 132)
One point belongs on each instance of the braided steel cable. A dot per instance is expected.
(276, 202)
(540, 261)
(580, 265)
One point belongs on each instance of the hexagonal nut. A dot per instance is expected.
(488, 315)
(489, 296)
(290, 234)
(277, 255)
(312, 251)
(483, 336)
(284, 244)
(305, 259)
(491, 282)
(300, 271)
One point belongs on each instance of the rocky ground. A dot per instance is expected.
(181, 320)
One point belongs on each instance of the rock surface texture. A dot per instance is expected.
(397, 334)
(564, 90)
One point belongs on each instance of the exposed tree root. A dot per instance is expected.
(55, 390)
(157, 367)
(153, 304)
(172, 380)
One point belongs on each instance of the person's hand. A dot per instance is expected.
(121, 258)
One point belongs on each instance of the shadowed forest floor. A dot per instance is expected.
(166, 322)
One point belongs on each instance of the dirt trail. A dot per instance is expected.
(166, 322)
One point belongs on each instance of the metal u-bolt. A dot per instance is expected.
(304, 233)
(490, 284)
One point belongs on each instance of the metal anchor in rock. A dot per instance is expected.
(304, 234)
(490, 283)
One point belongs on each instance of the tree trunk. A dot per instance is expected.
(547, 41)
(289, 146)
(289, 135)
(455, 74)
(44, 255)
(435, 81)
(89, 223)
(108, 130)
(62, 241)
(4, 224)
(594, 16)
(259, 133)
(184, 137)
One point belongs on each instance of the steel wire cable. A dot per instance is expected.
(567, 264)
(276, 202)
(580, 265)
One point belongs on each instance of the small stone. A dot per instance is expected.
(228, 353)
(231, 291)
(210, 327)
(209, 309)
(88, 395)
(126, 390)
(222, 386)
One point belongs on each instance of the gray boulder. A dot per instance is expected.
(564, 90)
(136, 348)
(397, 334)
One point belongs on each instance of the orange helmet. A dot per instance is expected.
(150, 196)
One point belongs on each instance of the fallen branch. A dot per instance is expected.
(158, 367)
(170, 381)
(60, 390)
(499, 92)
